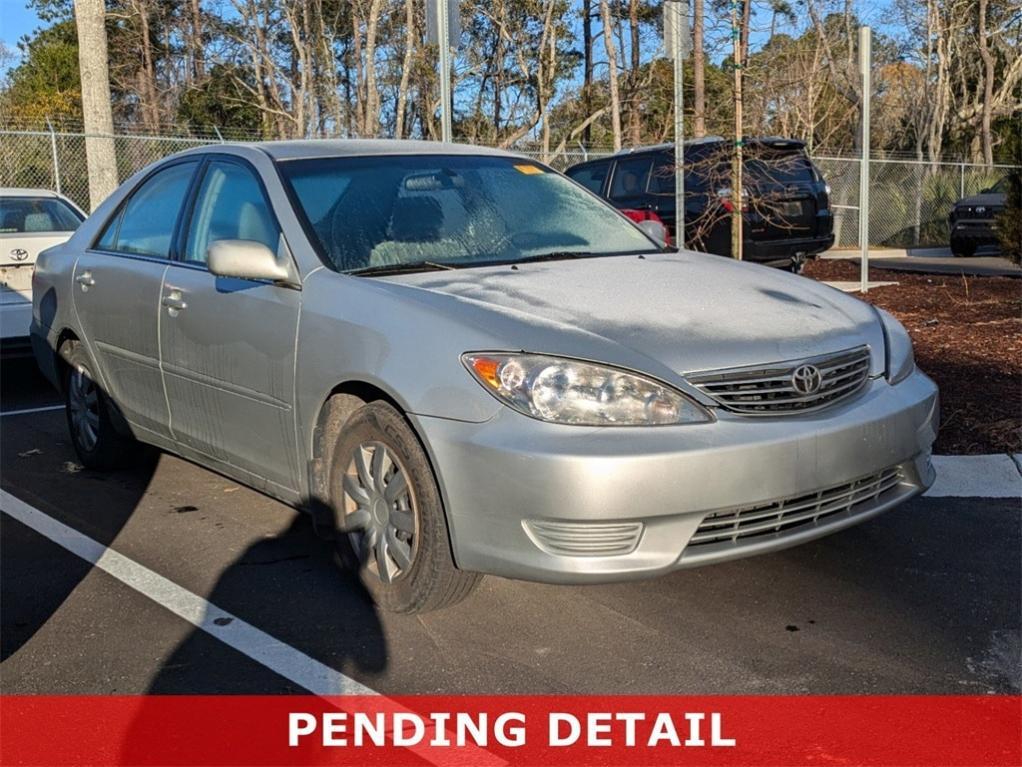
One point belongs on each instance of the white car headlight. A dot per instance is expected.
(567, 391)
(900, 360)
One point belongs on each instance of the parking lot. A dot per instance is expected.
(921, 600)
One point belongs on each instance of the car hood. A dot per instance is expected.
(680, 312)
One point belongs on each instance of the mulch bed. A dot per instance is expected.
(967, 333)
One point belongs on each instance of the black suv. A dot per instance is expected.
(973, 220)
(786, 201)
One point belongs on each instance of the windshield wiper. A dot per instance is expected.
(557, 255)
(411, 266)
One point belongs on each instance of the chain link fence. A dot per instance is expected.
(909, 200)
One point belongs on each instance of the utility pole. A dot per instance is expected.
(677, 45)
(737, 211)
(443, 24)
(90, 20)
(865, 62)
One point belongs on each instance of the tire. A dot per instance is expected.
(96, 440)
(960, 250)
(388, 515)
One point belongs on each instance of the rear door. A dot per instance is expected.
(783, 192)
(116, 292)
(228, 345)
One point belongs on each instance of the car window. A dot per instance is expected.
(699, 171)
(145, 225)
(778, 166)
(630, 178)
(389, 210)
(24, 215)
(230, 205)
(590, 176)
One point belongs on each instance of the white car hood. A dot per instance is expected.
(687, 311)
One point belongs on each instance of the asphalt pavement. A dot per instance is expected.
(924, 599)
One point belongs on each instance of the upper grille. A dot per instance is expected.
(733, 525)
(771, 390)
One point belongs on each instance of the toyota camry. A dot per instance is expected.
(462, 362)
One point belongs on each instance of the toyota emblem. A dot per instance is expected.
(806, 379)
(19, 254)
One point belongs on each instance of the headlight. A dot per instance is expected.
(579, 393)
(900, 361)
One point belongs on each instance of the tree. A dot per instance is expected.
(45, 84)
(90, 20)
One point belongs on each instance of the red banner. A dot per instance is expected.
(519, 730)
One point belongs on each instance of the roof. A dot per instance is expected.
(669, 146)
(13, 191)
(295, 150)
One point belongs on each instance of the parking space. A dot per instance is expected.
(923, 599)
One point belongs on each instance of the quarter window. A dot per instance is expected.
(145, 225)
(230, 206)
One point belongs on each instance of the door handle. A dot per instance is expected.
(174, 302)
(85, 280)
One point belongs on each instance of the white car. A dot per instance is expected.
(31, 220)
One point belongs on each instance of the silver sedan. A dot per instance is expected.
(461, 362)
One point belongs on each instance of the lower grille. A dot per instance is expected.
(585, 539)
(787, 387)
(734, 525)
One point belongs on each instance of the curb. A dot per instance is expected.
(977, 476)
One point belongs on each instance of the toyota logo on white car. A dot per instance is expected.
(806, 379)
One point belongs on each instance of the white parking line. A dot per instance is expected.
(280, 658)
(28, 410)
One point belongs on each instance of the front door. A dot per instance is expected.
(228, 345)
(117, 287)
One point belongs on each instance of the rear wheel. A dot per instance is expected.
(96, 441)
(389, 516)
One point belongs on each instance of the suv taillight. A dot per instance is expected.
(638, 216)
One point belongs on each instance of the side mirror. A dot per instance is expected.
(247, 260)
(656, 230)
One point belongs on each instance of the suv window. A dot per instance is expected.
(230, 206)
(21, 215)
(145, 225)
(630, 177)
(778, 166)
(592, 176)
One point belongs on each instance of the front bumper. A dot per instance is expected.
(566, 504)
(976, 233)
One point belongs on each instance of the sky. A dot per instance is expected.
(16, 20)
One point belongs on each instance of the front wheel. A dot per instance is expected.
(389, 517)
(961, 250)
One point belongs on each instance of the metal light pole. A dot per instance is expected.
(445, 71)
(442, 23)
(865, 57)
(677, 45)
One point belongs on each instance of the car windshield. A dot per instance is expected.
(435, 211)
(24, 215)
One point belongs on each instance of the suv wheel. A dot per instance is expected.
(389, 518)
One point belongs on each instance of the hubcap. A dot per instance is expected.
(83, 402)
(379, 511)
